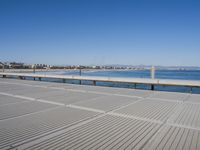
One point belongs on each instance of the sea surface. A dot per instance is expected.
(160, 74)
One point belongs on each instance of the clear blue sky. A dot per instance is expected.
(162, 32)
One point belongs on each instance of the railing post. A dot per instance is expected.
(94, 82)
(152, 72)
(191, 89)
(152, 87)
(34, 68)
(3, 68)
(135, 85)
(80, 75)
(34, 71)
(152, 76)
(40, 78)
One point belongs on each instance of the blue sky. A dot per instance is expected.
(92, 32)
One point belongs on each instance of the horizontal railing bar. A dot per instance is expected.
(169, 82)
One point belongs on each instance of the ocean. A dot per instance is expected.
(160, 74)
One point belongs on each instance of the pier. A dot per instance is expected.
(47, 115)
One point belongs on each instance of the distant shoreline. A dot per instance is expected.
(58, 70)
(54, 70)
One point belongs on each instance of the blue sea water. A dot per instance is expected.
(160, 74)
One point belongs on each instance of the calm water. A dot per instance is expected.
(161, 74)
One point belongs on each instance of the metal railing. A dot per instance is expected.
(148, 81)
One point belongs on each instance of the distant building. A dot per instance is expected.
(41, 66)
(109, 67)
(96, 67)
(16, 65)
